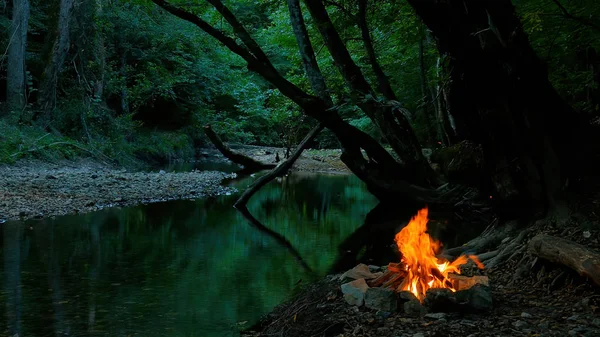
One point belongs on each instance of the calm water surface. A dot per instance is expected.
(184, 268)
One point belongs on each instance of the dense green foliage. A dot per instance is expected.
(162, 79)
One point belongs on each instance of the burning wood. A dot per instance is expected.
(424, 269)
(421, 270)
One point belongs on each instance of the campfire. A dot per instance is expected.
(421, 269)
(420, 272)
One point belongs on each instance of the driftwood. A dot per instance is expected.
(249, 163)
(568, 253)
(279, 170)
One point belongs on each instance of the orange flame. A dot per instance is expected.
(424, 269)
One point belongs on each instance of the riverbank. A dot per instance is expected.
(544, 299)
(311, 160)
(38, 189)
(35, 189)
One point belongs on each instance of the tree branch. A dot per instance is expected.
(384, 84)
(575, 18)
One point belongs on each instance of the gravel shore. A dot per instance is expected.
(32, 189)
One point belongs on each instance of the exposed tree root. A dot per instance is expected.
(250, 165)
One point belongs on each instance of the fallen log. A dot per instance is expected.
(249, 164)
(583, 260)
(281, 169)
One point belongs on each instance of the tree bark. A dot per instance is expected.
(60, 49)
(584, 261)
(512, 110)
(250, 165)
(16, 97)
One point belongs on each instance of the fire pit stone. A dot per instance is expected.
(354, 292)
(381, 299)
(361, 271)
(409, 303)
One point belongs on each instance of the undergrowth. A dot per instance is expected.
(135, 148)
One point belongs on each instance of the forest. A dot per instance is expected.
(479, 117)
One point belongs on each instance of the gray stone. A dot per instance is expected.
(525, 315)
(573, 318)
(418, 334)
(414, 308)
(520, 324)
(440, 300)
(407, 296)
(383, 331)
(381, 299)
(358, 272)
(436, 315)
(544, 325)
(383, 314)
(596, 322)
(354, 292)
(477, 298)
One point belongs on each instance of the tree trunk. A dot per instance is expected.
(382, 80)
(16, 97)
(387, 116)
(502, 99)
(250, 165)
(123, 73)
(100, 52)
(60, 49)
(443, 110)
(424, 88)
(384, 177)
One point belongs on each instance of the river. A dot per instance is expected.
(182, 268)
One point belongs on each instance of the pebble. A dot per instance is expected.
(67, 190)
(520, 324)
(437, 315)
(544, 325)
(525, 315)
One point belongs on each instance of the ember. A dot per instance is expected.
(420, 268)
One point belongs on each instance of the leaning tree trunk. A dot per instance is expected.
(60, 48)
(383, 175)
(16, 98)
(388, 116)
(502, 99)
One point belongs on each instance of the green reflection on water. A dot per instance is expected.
(185, 268)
